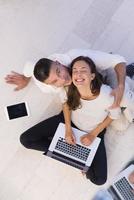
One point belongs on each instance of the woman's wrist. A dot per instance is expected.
(93, 133)
(68, 127)
(68, 130)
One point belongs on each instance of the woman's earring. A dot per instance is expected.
(92, 77)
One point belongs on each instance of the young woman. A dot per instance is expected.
(88, 107)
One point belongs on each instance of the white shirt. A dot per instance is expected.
(102, 60)
(95, 111)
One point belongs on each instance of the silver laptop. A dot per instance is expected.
(121, 188)
(78, 155)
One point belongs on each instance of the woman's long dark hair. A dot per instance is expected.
(73, 93)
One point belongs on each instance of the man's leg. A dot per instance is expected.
(97, 172)
(39, 136)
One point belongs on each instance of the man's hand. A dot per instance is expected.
(87, 139)
(70, 138)
(118, 94)
(17, 79)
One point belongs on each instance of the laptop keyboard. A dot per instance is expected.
(76, 151)
(125, 189)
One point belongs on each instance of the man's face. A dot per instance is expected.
(59, 75)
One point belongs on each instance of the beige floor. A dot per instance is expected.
(33, 29)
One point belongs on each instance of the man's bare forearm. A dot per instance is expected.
(121, 73)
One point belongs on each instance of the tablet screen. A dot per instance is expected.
(17, 110)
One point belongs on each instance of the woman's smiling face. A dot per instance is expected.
(81, 74)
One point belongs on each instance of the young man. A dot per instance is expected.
(53, 72)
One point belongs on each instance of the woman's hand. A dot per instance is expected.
(87, 139)
(69, 137)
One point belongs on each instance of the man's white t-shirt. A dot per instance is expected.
(93, 112)
(102, 60)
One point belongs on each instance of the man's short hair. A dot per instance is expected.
(42, 69)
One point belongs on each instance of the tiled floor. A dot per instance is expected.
(33, 29)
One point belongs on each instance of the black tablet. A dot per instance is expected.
(17, 111)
